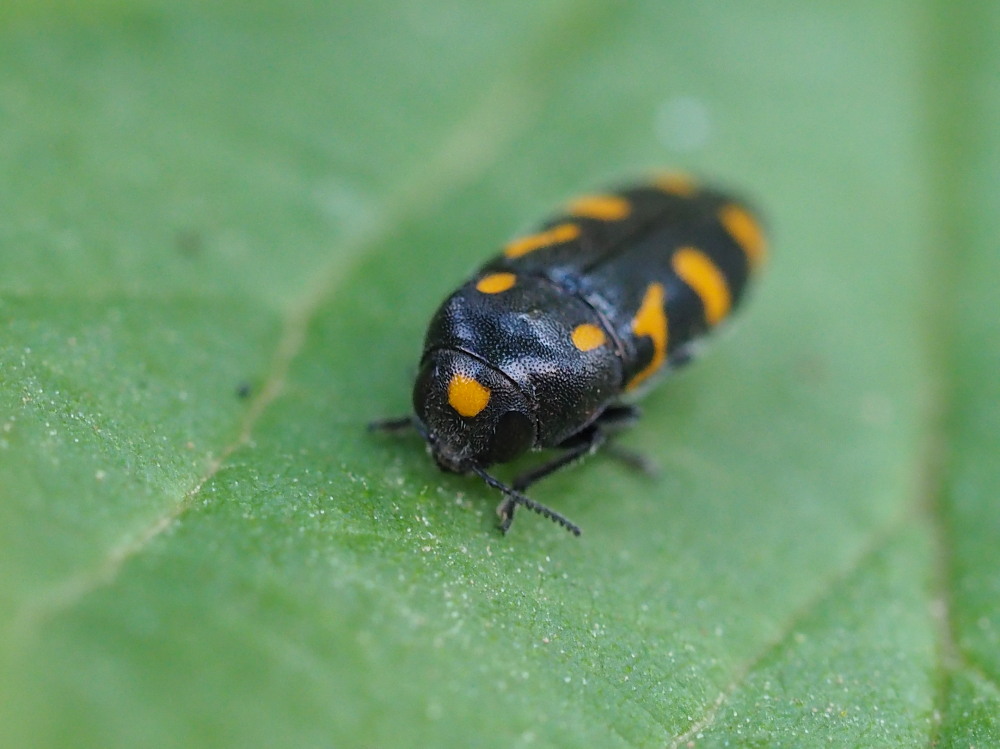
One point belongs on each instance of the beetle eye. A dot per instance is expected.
(514, 434)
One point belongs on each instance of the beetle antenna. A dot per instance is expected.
(512, 498)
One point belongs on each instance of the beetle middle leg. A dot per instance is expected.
(589, 440)
(616, 418)
(580, 444)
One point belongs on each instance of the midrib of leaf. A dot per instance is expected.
(829, 587)
(492, 122)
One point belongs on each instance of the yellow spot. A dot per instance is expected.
(555, 235)
(651, 320)
(601, 207)
(676, 183)
(698, 271)
(494, 283)
(587, 337)
(467, 396)
(747, 232)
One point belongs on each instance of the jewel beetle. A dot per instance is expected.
(545, 344)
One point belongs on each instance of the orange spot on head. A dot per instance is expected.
(745, 231)
(587, 337)
(494, 283)
(467, 396)
(556, 235)
(676, 183)
(698, 271)
(651, 320)
(601, 207)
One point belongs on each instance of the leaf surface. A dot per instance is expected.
(225, 228)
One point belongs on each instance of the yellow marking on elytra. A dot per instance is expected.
(555, 235)
(745, 231)
(676, 183)
(698, 271)
(601, 207)
(651, 320)
(494, 283)
(587, 337)
(467, 396)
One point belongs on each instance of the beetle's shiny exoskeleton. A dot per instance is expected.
(539, 347)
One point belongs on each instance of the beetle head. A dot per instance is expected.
(473, 414)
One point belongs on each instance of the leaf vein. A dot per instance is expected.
(477, 140)
(876, 542)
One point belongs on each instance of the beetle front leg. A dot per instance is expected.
(583, 443)
(398, 424)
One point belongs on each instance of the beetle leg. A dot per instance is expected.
(618, 417)
(580, 444)
(398, 424)
(588, 441)
(634, 460)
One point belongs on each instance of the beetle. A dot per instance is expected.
(545, 344)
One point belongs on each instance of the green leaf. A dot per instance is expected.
(224, 228)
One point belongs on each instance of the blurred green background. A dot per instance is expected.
(223, 227)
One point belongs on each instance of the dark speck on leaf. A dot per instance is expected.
(189, 242)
